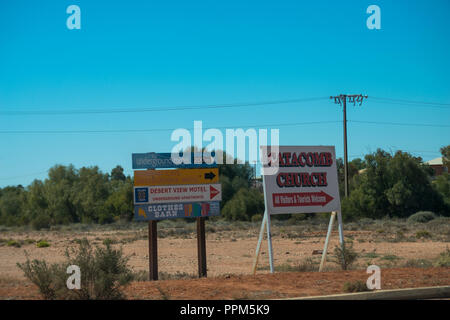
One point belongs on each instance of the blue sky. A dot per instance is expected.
(144, 54)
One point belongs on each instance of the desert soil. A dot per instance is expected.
(230, 256)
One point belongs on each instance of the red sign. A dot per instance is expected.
(301, 199)
(213, 192)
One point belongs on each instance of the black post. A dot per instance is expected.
(201, 247)
(153, 249)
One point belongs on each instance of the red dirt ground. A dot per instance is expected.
(261, 286)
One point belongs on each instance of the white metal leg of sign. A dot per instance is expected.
(341, 229)
(269, 243)
(325, 247)
(258, 247)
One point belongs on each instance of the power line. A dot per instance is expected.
(160, 130)
(402, 124)
(410, 103)
(391, 101)
(221, 127)
(214, 106)
(157, 109)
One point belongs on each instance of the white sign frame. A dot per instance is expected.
(276, 166)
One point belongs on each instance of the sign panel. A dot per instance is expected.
(306, 180)
(177, 193)
(176, 210)
(154, 160)
(175, 177)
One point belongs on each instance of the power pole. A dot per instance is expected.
(342, 98)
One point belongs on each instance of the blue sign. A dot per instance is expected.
(154, 160)
(141, 195)
(144, 212)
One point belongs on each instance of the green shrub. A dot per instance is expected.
(421, 217)
(423, 234)
(103, 273)
(444, 259)
(30, 241)
(50, 279)
(243, 205)
(308, 265)
(345, 256)
(140, 275)
(299, 217)
(390, 257)
(418, 263)
(13, 243)
(42, 221)
(257, 217)
(42, 244)
(109, 241)
(355, 286)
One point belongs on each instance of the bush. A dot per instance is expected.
(49, 279)
(396, 185)
(41, 222)
(418, 263)
(444, 259)
(42, 244)
(244, 204)
(307, 265)
(423, 234)
(345, 256)
(13, 243)
(257, 217)
(103, 272)
(355, 286)
(421, 217)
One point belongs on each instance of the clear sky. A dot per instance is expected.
(161, 54)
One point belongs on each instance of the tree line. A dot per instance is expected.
(382, 184)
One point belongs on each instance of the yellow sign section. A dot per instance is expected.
(175, 177)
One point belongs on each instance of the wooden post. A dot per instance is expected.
(201, 247)
(153, 249)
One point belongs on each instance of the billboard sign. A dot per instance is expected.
(176, 210)
(305, 182)
(176, 177)
(152, 160)
(177, 193)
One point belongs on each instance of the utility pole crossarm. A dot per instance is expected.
(342, 99)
